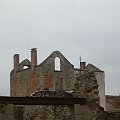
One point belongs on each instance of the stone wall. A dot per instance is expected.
(6, 112)
(49, 112)
(44, 76)
(87, 86)
(100, 76)
(36, 78)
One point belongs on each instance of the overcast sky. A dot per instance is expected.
(86, 28)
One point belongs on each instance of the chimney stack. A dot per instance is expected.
(82, 65)
(33, 58)
(16, 62)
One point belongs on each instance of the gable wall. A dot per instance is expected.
(44, 76)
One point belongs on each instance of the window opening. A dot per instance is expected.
(25, 67)
(57, 64)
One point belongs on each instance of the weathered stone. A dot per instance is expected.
(45, 81)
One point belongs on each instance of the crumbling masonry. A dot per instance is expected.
(45, 80)
(24, 82)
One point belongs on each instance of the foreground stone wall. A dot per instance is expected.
(48, 113)
(87, 86)
(100, 76)
(6, 112)
(11, 112)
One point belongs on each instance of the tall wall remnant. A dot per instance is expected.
(100, 76)
(39, 77)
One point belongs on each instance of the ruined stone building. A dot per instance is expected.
(45, 76)
(56, 77)
(42, 76)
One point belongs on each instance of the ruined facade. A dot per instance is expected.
(24, 82)
(45, 76)
(30, 79)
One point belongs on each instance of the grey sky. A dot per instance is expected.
(87, 28)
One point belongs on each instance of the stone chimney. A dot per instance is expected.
(82, 65)
(16, 62)
(33, 58)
